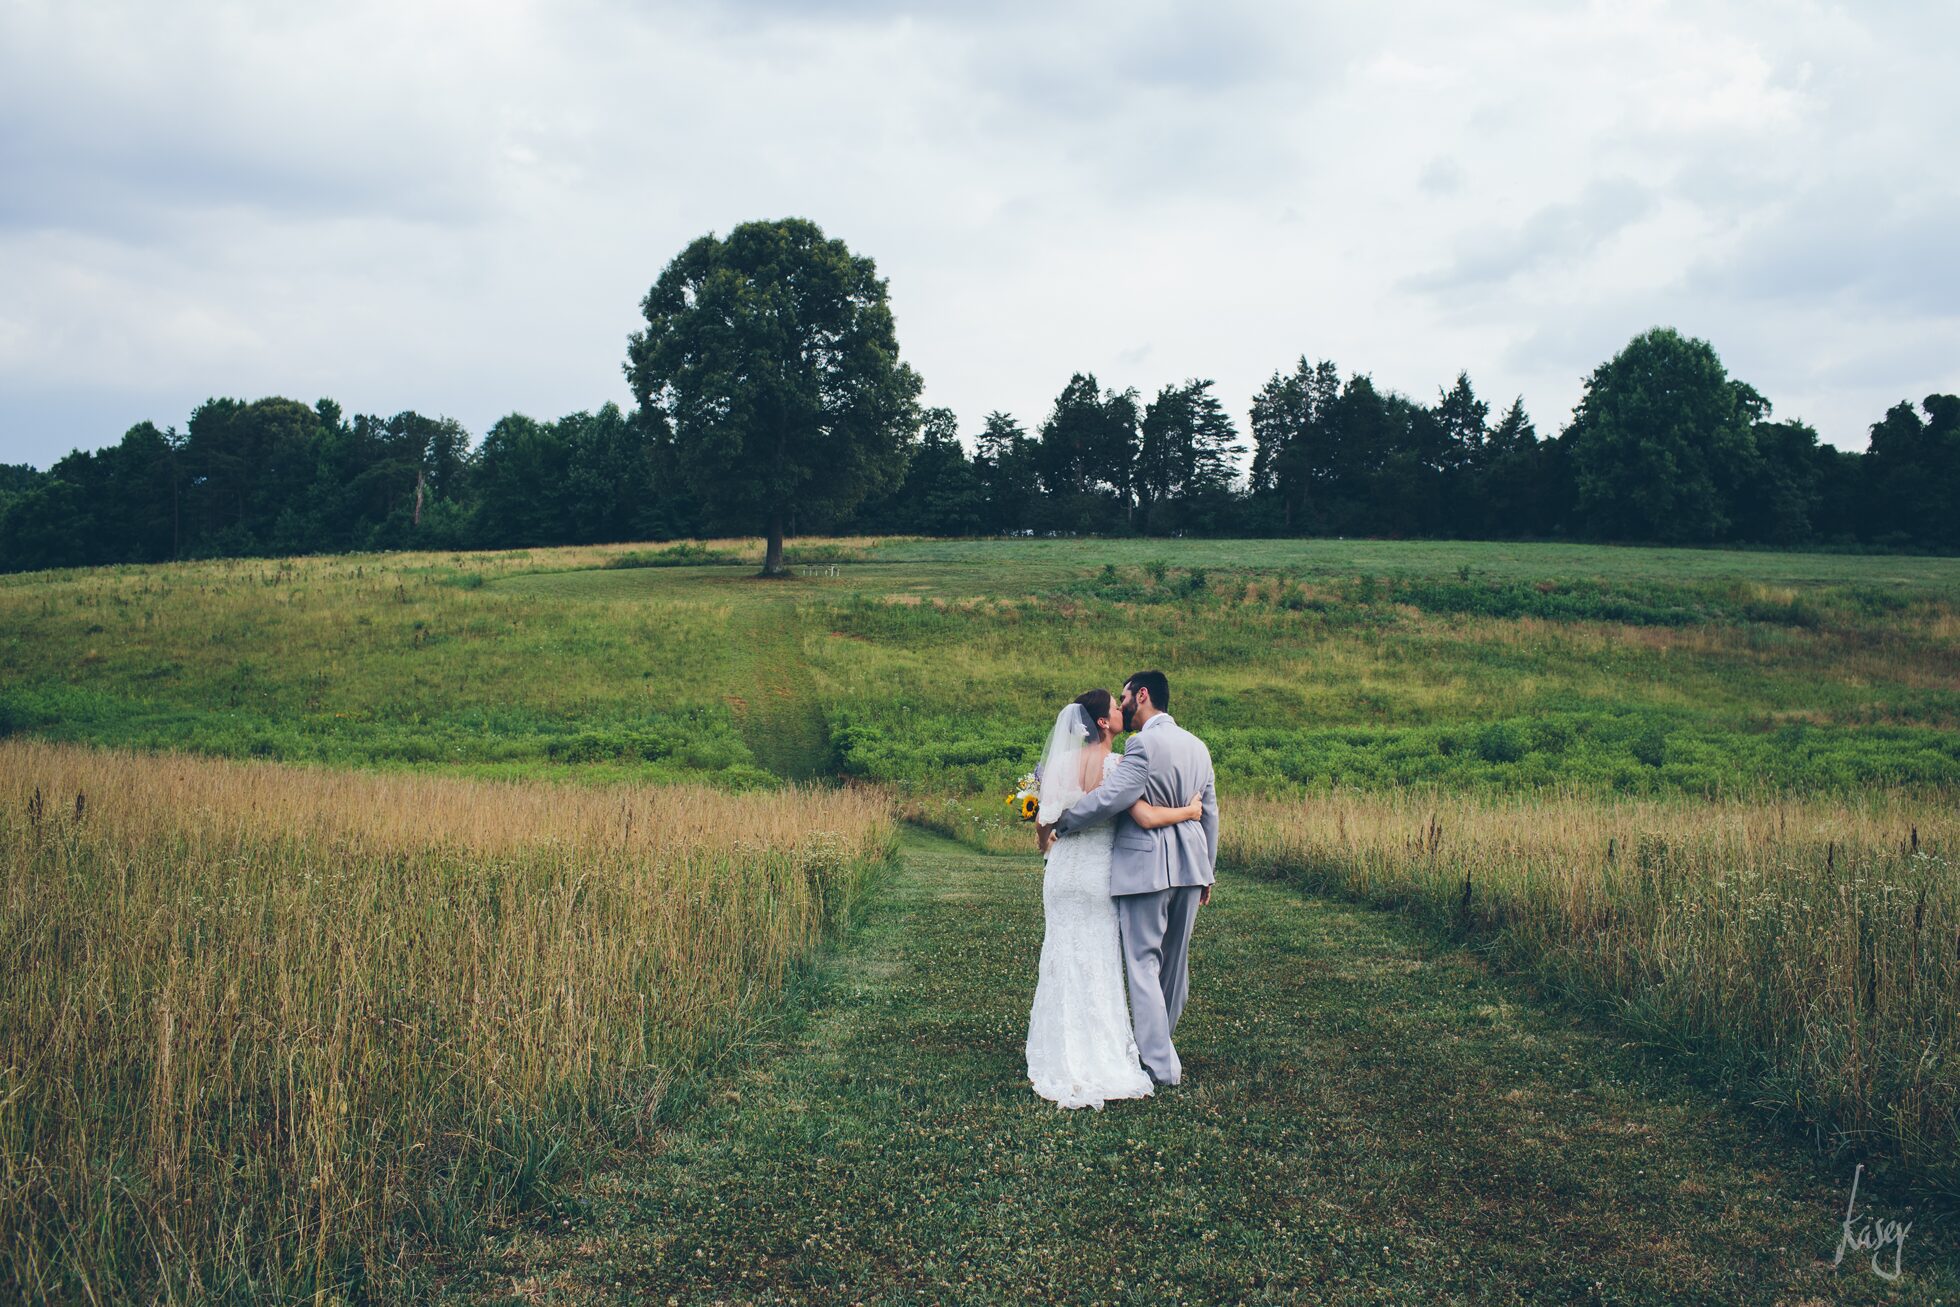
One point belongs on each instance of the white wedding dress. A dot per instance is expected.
(1081, 1051)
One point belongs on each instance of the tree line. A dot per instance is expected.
(741, 424)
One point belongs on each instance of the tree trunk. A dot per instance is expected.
(772, 560)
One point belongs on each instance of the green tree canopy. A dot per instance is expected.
(1186, 457)
(1008, 462)
(1791, 471)
(1088, 455)
(18, 478)
(1915, 472)
(771, 356)
(1291, 421)
(1663, 443)
(1461, 422)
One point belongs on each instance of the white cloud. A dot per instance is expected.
(456, 207)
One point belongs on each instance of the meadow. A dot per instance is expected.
(1369, 1116)
(925, 665)
(1803, 952)
(272, 1032)
(1707, 793)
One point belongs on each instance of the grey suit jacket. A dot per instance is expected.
(1165, 764)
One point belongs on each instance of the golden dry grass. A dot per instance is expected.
(1807, 948)
(267, 1029)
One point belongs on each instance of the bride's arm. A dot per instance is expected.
(1122, 785)
(1150, 816)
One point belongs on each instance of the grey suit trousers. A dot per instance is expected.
(1156, 930)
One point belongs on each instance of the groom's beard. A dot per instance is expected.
(1130, 718)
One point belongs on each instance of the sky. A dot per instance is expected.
(457, 207)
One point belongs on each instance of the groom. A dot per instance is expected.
(1157, 877)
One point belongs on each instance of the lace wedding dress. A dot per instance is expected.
(1080, 1048)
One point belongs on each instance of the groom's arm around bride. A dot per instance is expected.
(1163, 764)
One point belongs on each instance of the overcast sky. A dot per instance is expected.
(456, 207)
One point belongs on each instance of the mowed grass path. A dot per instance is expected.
(1368, 1116)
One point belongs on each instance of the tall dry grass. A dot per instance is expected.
(1807, 951)
(268, 1031)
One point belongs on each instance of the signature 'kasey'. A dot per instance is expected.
(1871, 1236)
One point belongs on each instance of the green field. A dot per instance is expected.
(931, 665)
(1703, 800)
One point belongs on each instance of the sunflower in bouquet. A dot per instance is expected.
(1026, 799)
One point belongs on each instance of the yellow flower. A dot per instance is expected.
(1029, 806)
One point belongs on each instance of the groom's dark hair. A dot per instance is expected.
(1160, 689)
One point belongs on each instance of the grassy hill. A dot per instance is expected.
(927, 664)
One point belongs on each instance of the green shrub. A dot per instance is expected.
(1500, 742)
(1650, 746)
(683, 554)
(1794, 612)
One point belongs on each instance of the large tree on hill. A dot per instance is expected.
(1663, 442)
(770, 357)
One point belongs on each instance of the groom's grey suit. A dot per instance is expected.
(1155, 875)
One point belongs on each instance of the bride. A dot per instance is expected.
(1080, 1047)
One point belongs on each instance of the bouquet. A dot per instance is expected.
(1026, 799)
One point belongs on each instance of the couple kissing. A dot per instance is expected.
(1131, 842)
